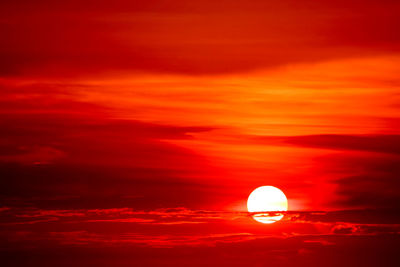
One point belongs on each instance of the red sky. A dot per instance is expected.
(136, 130)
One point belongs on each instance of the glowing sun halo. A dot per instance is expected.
(266, 200)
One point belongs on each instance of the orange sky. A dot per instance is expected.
(243, 110)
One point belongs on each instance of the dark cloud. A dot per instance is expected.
(126, 236)
(61, 186)
(364, 169)
(368, 219)
(63, 153)
(344, 251)
(367, 181)
(370, 143)
(363, 216)
(202, 37)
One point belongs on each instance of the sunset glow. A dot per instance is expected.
(143, 133)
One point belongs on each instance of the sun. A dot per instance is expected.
(266, 202)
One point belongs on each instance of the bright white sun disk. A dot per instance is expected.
(267, 199)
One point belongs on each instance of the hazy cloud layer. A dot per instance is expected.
(202, 37)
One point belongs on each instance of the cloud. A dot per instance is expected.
(361, 216)
(53, 147)
(368, 181)
(171, 216)
(369, 143)
(359, 171)
(342, 250)
(360, 221)
(344, 229)
(68, 39)
(34, 155)
(139, 236)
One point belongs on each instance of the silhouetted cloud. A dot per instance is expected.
(304, 237)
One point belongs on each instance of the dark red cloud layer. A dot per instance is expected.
(181, 236)
(86, 37)
(69, 160)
